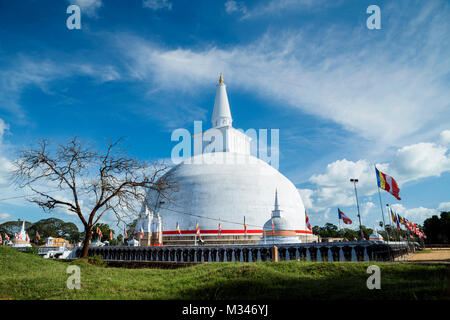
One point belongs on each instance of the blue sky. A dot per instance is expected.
(343, 97)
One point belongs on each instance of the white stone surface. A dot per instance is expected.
(228, 186)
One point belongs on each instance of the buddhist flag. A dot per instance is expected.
(99, 232)
(38, 236)
(142, 233)
(394, 217)
(1, 240)
(220, 228)
(245, 226)
(125, 233)
(178, 228)
(6, 237)
(110, 234)
(197, 230)
(344, 218)
(308, 224)
(387, 183)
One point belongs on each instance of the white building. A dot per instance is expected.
(22, 240)
(223, 184)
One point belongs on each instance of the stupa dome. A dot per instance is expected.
(242, 185)
(226, 186)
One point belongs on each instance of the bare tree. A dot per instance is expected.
(110, 181)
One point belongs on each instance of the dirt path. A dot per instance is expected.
(434, 255)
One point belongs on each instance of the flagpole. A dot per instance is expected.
(382, 213)
(390, 220)
(354, 181)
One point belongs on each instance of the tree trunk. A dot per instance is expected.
(87, 238)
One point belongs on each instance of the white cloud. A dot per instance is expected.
(420, 160)
(89, 7)
(5, 163)
(232, 6)
(4, 216)
(444, 206)
(277, 7)
(335, 73)
(366, 208)
(157, 4)
(445, 137)
(334, 188)
(27, 71)
(417, 215)
(306, 195)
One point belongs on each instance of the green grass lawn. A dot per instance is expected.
(28, 276)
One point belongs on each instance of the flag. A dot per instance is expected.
(394, 217)
(15, 236)
(1, 240)
(308, 224)
(245, 226)
(344, 218)
(125, 233)
(178, 228)
(387, 183)
(197, 230)
(38, 236)
(6, 237)
(110, 234)
(99, 232)
(26, 238)
(142, 233)
(220, 228)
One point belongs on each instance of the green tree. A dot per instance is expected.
(56, 228)
(437, 229)
(11, 227)
(104, 228)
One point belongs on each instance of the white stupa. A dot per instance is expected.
(375, 236)
(22, 240)
(278, 229)
(224, 184)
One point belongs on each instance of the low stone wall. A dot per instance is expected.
(334, 251)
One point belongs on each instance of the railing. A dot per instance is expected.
(334, 251)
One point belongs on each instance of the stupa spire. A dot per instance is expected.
(276, 211)
(221, 116)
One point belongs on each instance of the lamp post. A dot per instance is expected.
(354, 181)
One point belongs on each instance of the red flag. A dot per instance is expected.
(344, 218)
(125, 233)
(245, 226)
(387, 183)
(110, 234)
(197, 230)
(308, 224)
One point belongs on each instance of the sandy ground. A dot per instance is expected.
(436, 255)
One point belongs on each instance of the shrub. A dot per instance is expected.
(33, 250)
(97, 260)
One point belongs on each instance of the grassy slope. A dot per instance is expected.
(27, 276)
